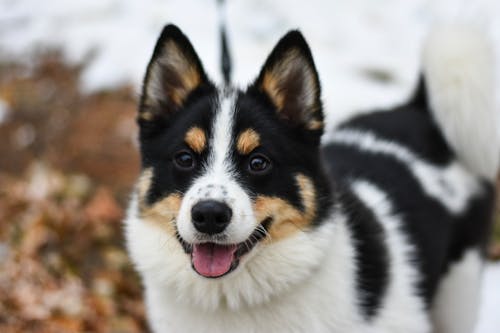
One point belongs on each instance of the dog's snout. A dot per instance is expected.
(210, 216)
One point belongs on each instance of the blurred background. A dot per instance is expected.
(70, 72)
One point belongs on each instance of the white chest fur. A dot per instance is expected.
(324, 302)
(261, 296)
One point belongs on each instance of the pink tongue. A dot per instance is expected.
(212, 260)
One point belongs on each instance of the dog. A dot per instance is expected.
(243, 221)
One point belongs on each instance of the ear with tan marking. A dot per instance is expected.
(290, 80)
(174, 72)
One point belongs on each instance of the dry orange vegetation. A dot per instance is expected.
(67, 163)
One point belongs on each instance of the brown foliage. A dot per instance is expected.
(67, 163)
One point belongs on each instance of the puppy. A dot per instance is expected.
(241, 221)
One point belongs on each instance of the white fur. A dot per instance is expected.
(457, 299)
(217, 183)
(402, 309)
(305, 283)
(458, 63)
(452, 185)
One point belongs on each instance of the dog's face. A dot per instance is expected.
(229, 175)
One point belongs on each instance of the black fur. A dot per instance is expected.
(292, 150)
(163, 136)
(371, 252)
(409, 126)
(164, 108)
(158, 151)
(438, 236)
(296, 84)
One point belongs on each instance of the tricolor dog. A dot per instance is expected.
(241, 221)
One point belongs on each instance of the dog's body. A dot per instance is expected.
(241, 222)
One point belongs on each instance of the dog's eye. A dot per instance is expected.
(184, 160)
(259, 164)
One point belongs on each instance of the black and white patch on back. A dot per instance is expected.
(373, 261)
(436, 196)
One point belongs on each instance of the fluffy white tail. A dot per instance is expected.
(459, 71)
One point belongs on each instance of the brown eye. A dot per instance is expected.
(259, 164)
(184, 160)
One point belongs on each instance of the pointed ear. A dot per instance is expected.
(290, 80)
(174, 71)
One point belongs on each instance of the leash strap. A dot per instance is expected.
(225, 54)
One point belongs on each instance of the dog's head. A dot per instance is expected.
(231, 179)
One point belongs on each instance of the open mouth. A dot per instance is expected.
(213, 260)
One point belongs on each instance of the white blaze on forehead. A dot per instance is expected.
(218, 163)
(217, 182)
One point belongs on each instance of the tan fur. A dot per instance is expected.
(190, 77)
(270, 84)
(144, 183)
(185, 77)
(274, 84)
(196, 139)
(247, 141)
(274, 78)
(287, 219)
(162, 213)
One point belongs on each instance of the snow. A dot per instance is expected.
(353, 43)
(489, 320)
(348, 38)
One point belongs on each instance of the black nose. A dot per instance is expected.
(210, 216)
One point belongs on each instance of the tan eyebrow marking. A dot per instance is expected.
(247, 141)
(196, 139)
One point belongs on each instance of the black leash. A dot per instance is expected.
(225, 55)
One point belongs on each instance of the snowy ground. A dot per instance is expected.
(351, 40)
(489, 321)
(367, 52)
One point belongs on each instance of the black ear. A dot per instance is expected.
(290, 80)
(174, 72)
